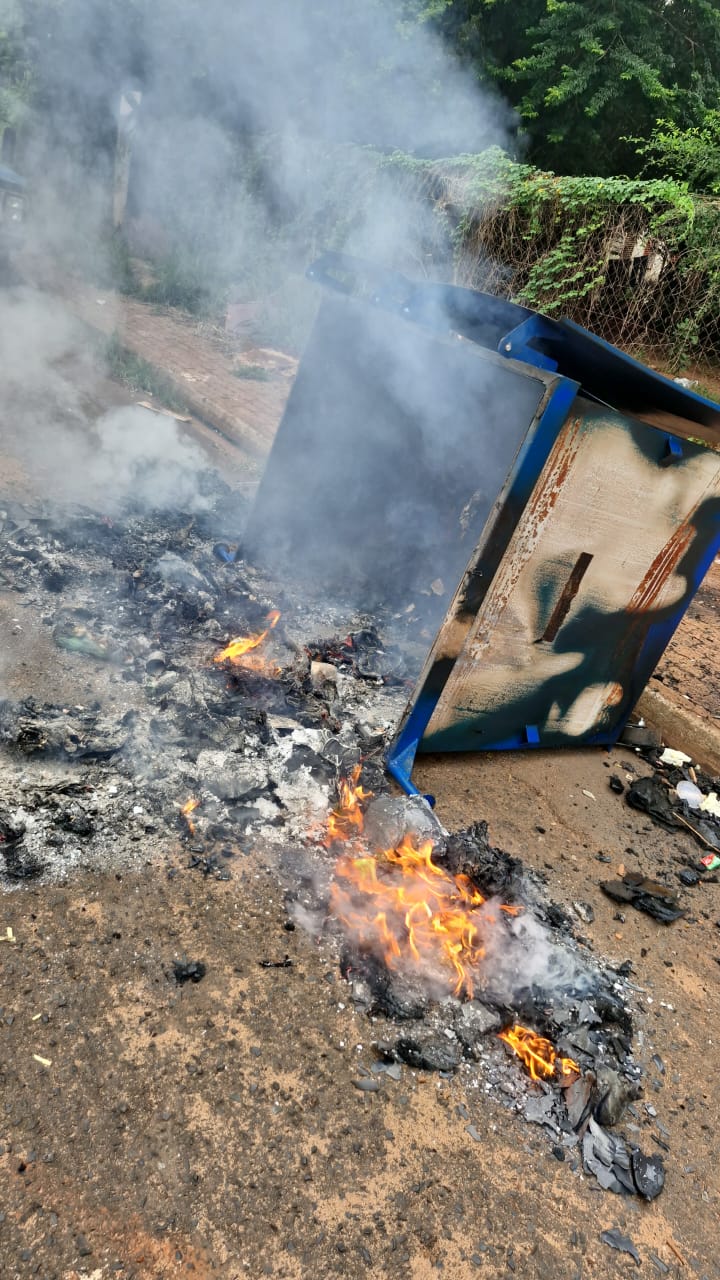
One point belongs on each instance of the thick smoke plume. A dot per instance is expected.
(244, 114)
(55, 422)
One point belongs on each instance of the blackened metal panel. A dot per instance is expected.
(600, 569)
(393, 448)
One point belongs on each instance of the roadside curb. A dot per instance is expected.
(682, 729)
(202, 407)
(248, 421)
(212, 416)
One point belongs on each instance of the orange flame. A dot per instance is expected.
(239, 648)
(347, 820)
(401, 903)
(538, 1054)
(422, 918)
(188, 808)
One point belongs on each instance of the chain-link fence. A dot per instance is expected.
(637, 263)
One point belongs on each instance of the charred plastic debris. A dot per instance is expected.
(679, 797)
(186, 747)
(449, 1006)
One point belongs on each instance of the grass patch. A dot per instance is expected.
(136, 374)
(179, 283)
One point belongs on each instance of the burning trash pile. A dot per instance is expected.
(216, 726)
(211, 715)
(454, 951)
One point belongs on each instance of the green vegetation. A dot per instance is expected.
(179, 282)
(586, 73)
(636, 260)
(690, 155)
(140, 376)
(625, 89)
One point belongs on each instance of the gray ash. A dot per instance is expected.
(145, 607)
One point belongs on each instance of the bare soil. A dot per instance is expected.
(213, 1129)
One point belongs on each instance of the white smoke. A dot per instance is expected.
(521, 952)
(246, 114)
(53, 420)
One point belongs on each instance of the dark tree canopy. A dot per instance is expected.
(585, 74)
(582, 75)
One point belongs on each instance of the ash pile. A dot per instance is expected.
(463, 964)
(215, 708)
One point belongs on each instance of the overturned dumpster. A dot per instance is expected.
(568, 495)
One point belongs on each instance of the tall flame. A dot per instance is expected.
(417, 915)
(239, 648)
(538, 1054)
(422, 917)
(402, 903)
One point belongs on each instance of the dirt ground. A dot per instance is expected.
(152, 1130)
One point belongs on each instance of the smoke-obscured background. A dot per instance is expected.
(201, 155)
(253, 134)
(230, 126)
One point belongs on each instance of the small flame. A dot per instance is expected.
(538, 1054)
(239, 648)
(348, 819)
(189, 807)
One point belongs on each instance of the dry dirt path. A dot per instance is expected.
(199, 361)
(214, 1130)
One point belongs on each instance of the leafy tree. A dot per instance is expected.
(692, 155)
(586, 73)
(596, 67)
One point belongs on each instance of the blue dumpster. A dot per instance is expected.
(566, 497)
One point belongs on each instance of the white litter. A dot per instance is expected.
(711, 805)
(676, 758)
(691, 794)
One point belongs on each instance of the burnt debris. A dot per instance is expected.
(212, 753)
(188, 971)
(679, 797)
(19, 863)
(646, 895)
(145, 605)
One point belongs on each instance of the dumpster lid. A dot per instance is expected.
(603, 372)
(10, 180)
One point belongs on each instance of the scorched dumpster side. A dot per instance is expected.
(572, 494)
